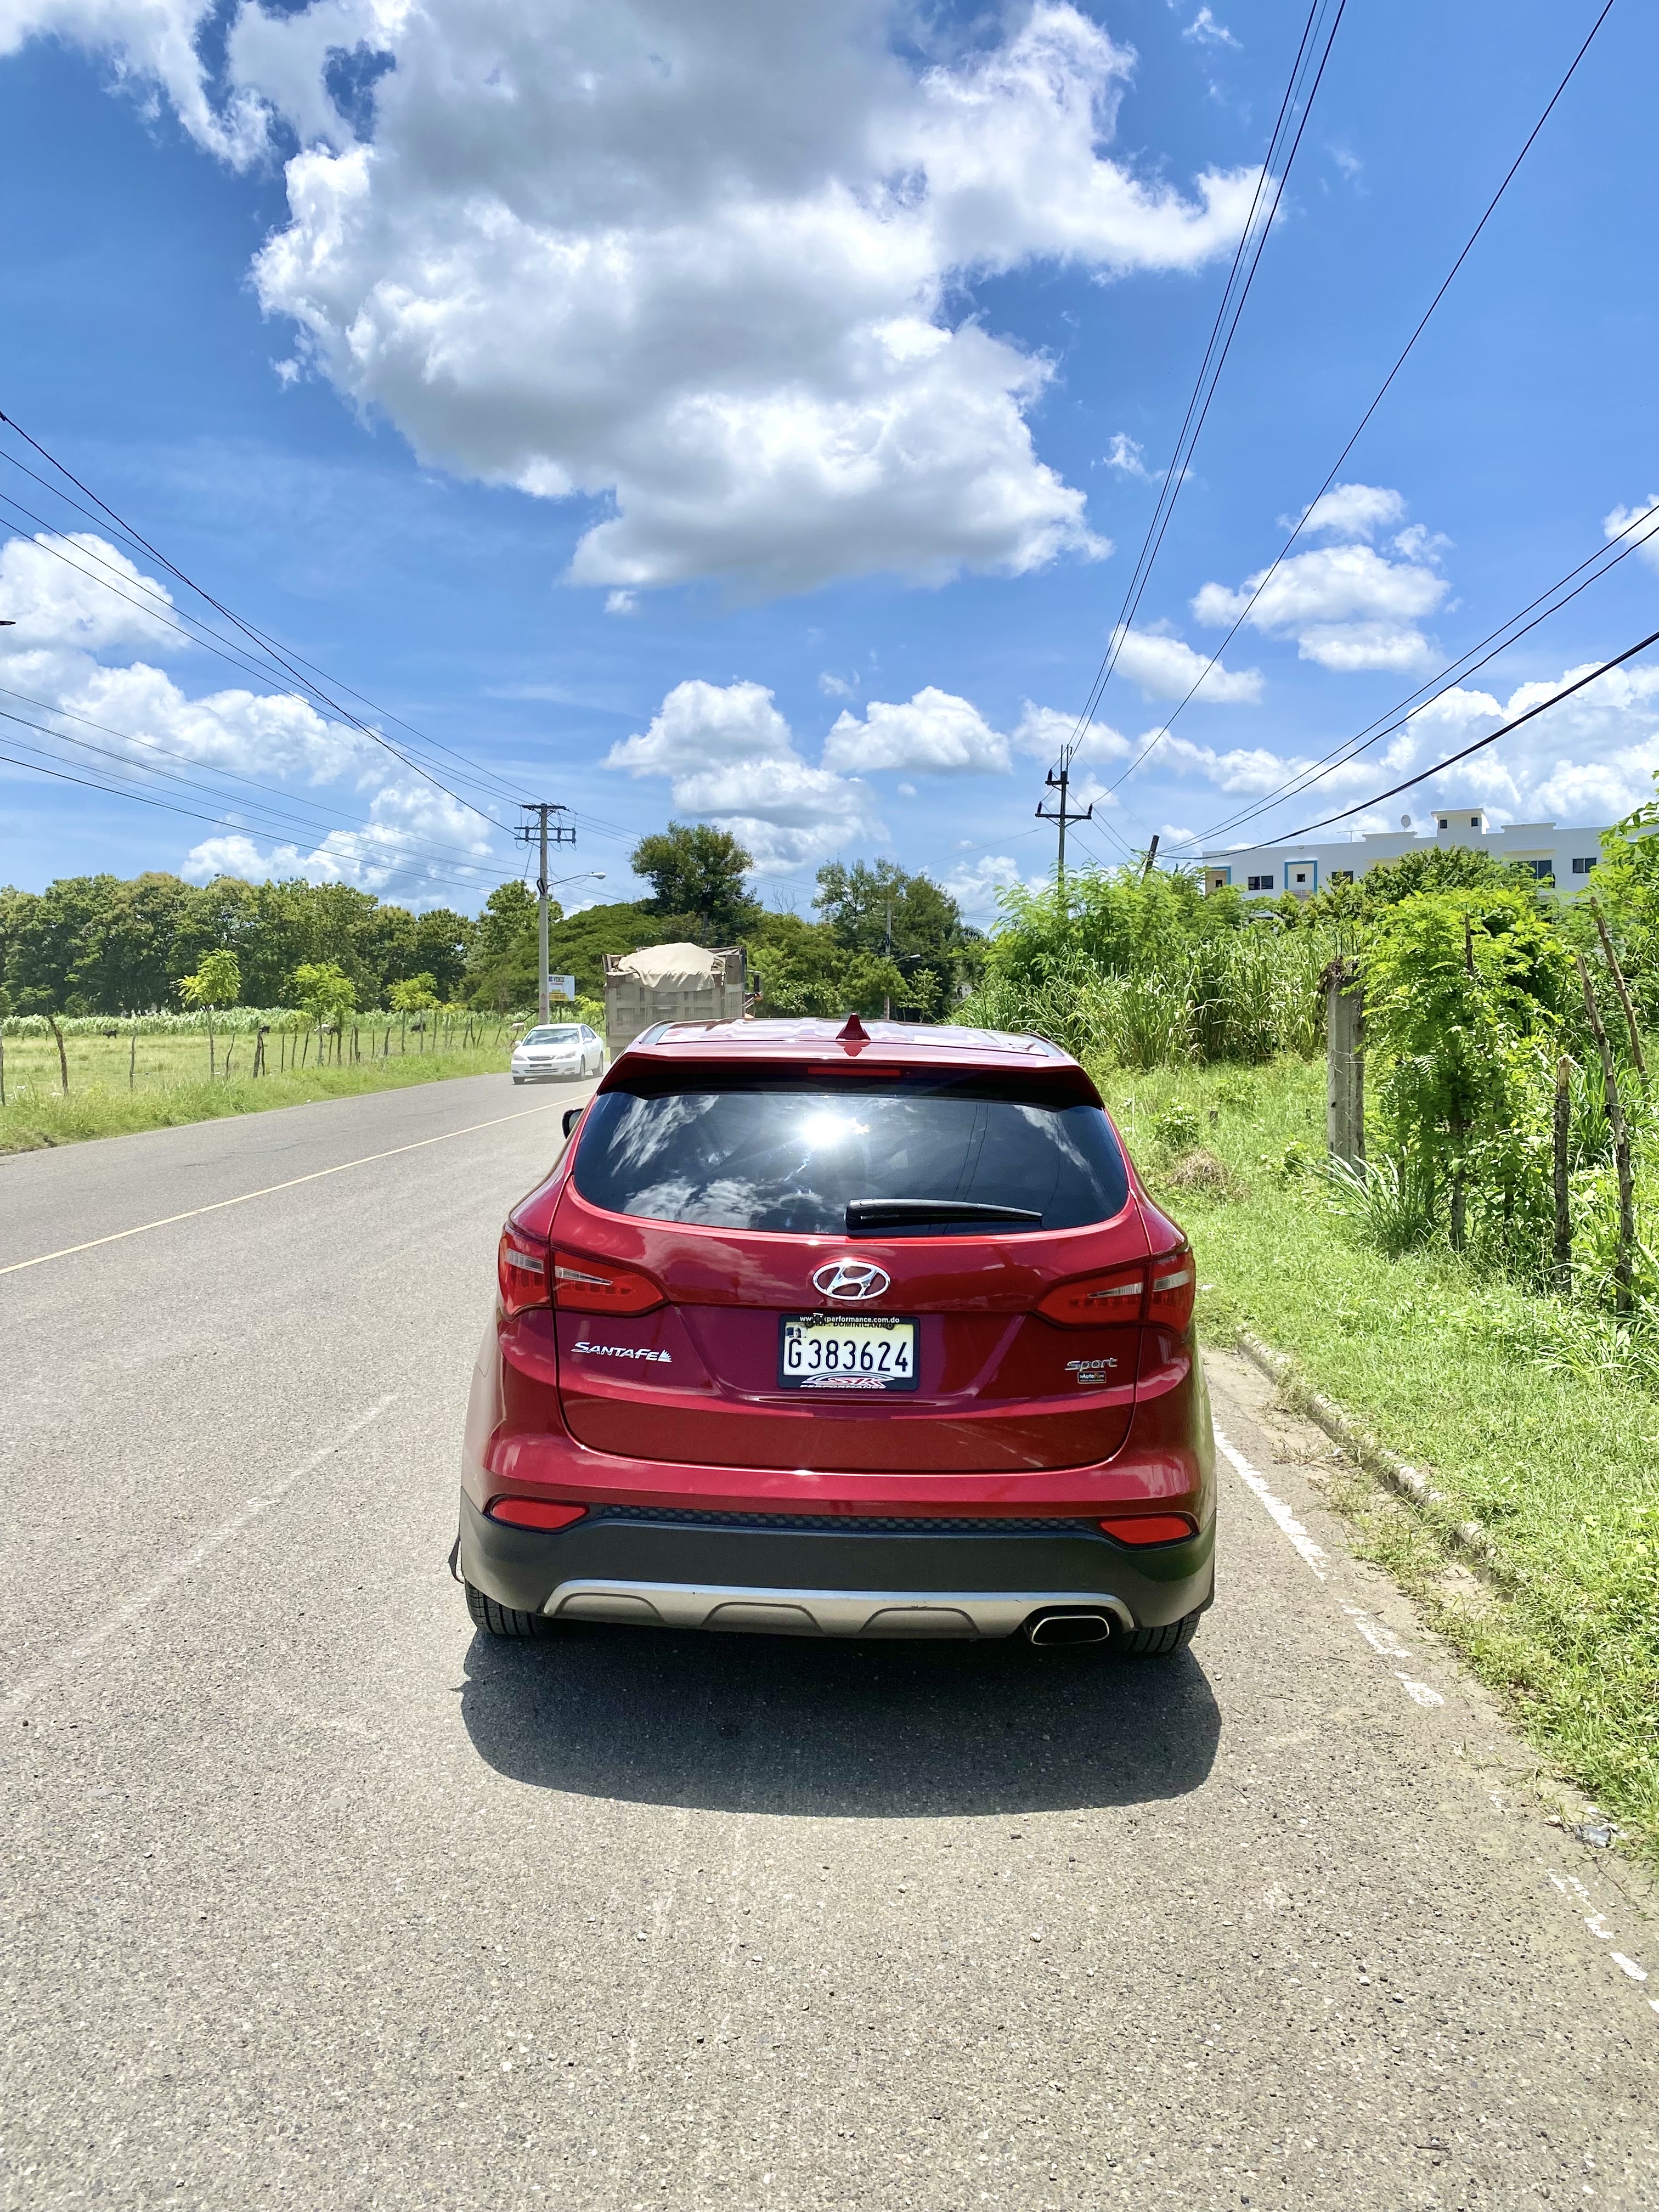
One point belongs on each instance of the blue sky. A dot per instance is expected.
(725, 410)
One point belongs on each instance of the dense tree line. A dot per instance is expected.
(101, 945)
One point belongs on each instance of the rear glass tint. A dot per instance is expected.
(790, 1158)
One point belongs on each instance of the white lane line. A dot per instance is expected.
(1418, 1692)
(1382, 1639)
(270, 1190)
(113, 1623)
(1289, 1526)
(1597, 1924)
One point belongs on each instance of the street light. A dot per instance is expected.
(557, 883)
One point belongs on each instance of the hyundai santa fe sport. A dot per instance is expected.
(842, 1332)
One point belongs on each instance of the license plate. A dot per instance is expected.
(847, 1352)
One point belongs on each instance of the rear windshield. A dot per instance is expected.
(791, 1158)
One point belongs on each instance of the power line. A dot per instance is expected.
(1265, 205)
(290, 801)
(195, 632)
(1293, 836)
(260, 639)
(396, 865)
(108, 519)
(1399, 361)
(1403, 712)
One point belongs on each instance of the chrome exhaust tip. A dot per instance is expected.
(1052, 1628)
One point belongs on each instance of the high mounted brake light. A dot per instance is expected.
(520, 1272)
(582, 1285)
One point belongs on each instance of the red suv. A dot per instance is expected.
(838, 1332)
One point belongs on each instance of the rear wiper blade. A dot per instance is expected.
(909, 1212)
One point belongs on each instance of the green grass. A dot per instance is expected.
(99, 1104)
(1535, 1418)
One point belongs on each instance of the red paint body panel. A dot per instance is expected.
(999, 1423)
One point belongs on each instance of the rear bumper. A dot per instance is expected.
(722, 1571)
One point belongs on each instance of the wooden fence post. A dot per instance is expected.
(1344, 1055)
(63, 1057)
(1626, 1245)
(1562, 1133)
(1623, 989)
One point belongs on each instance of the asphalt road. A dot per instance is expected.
(316, 1899)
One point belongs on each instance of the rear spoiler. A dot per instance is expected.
(1052, 1083)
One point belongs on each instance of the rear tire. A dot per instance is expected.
(1157, 1642)
(504, 1620)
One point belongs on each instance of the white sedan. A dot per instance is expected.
(560, 1049)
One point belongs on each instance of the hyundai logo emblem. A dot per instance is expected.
(851, 1279)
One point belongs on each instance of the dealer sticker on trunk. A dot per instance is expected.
(847, 1352)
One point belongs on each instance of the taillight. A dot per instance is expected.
(533, 1513)
(1173, 1287)
(1151, 1527)
(521, 1271)
(1116, 1295)
(582, 1285)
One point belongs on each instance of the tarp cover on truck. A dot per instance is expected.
(674, 967)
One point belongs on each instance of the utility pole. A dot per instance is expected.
(1063, 814)
(537, 830)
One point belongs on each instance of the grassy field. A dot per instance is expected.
(119, 1084)
(1539, 1420)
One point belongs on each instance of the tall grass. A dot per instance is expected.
(1244, 994)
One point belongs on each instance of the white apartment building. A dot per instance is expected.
(1565, 855)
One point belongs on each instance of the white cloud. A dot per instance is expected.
(974, 887)
(935, 734)
(1204, 30)
(1042, 731)
(77, 595)
(1588, 761)
(837, 687)
(138, 717)
(391, 856)
(732, 760)
(1351, 510)
(1128, 455)
(1347, 606)
(1644, 516)
(1167, 668)
(705, 264)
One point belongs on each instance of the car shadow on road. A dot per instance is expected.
(765, 1724)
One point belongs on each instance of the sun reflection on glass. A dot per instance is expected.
(822, 1131)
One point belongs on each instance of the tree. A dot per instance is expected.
(325, 993)
(698, 871)
(415, 995)
(218, 982)
(905, 920)
(501, 968)
(1458, 985)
